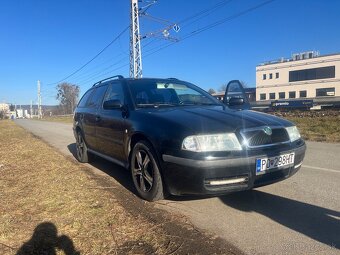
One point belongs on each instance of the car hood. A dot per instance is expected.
(214, 119)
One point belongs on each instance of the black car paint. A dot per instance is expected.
(110, 133)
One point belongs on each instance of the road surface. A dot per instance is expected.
(300, 215)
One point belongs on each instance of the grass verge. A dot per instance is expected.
(320, 129)
(61, 119)
(51, 204)
(316, 126)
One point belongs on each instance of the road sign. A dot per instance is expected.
(176, 28)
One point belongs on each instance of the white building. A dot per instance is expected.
(304, 75)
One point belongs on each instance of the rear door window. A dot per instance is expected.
(115, 92)
(97, 97)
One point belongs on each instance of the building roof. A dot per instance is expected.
(297, 57)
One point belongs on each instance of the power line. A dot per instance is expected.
(232, 17)
(210, 26)
(208, 12)
(89, 77)
(210, 9)
(193, 33)
(86, 77)
(102, 74)
(88, 62)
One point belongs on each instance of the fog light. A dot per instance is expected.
(227, 181)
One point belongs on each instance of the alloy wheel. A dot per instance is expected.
(80, 146)
(143, 171)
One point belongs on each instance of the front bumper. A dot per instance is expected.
(224, 175)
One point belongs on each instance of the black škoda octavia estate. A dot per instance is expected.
(175, 138)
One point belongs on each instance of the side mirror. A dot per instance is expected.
(233, 101)
(235, 96)
(112, 104)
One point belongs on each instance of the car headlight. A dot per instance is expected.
(293, 133)
(216, 142)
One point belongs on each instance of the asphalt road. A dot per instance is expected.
(300, 215)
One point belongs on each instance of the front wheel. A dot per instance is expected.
(145, 172)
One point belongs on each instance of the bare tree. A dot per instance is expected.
(223, 87)
(211, 91)
(68, 96)
(2, 114)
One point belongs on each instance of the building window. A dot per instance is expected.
(292, 94)
(277, 75)
(263, 96)
(264, 77)
(271, 95)
(303, 93)
(312, 74)
(270, 76)
(325, 92)
(282, 95)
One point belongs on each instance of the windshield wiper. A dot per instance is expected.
(156, 105)
(197, 103)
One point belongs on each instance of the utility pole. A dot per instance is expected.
(136, 37)
(39, 101)
(135, 49)
(31, 109)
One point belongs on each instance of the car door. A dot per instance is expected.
(90, 118)
(110, 130)
(235, 96)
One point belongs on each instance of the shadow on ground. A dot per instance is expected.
(123, 176)
(45, 240)
(318, 223)
(119, 173)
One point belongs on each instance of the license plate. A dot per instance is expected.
(264, 164)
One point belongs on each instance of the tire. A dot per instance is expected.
(145, 172)
(82, 153)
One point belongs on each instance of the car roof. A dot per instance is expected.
(120, 77)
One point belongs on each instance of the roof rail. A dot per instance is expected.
(110, 78)
(171, 78)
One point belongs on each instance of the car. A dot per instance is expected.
(176, 139)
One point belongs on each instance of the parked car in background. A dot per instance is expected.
(177, 139)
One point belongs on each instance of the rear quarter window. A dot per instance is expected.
(85, 98)
(96, 97)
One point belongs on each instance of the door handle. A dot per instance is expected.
(98, 118)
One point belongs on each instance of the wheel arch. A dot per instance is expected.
(135, 138)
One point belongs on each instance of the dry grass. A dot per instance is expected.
(61, 119)
(38, 185)
(321, 129)
(51, 202)
(320, 126)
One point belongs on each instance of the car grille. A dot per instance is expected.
(257, 137)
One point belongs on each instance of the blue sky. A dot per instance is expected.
(48, 40)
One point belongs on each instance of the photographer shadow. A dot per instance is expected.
(45, 240)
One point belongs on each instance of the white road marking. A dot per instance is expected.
(322, 169)
(333, 216)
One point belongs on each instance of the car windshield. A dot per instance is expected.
(163, 93)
